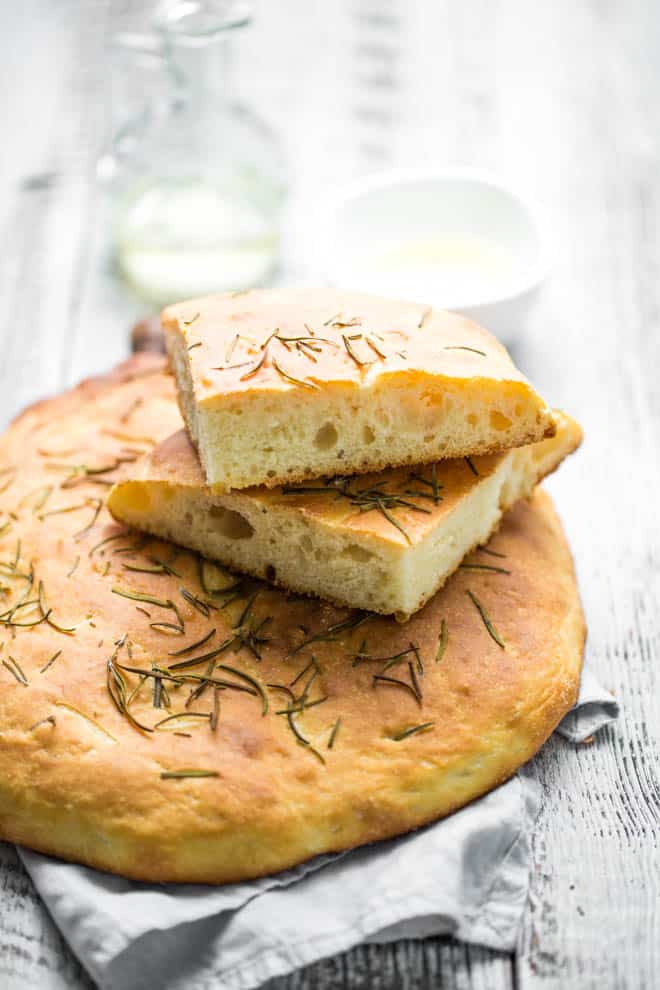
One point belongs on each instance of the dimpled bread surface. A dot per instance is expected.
(164, 720)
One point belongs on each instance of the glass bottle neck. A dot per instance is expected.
(204, 71)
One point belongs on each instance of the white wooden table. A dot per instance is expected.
(563, 99)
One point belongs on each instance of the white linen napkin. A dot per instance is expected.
(466, 875)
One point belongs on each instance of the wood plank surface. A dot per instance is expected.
(563, 100)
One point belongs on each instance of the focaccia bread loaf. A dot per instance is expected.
(282, 385)
(165, 720)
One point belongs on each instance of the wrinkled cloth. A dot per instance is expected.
(466, 876)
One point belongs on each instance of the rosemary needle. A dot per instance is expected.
(290, 378)
(215, 714)
(491, 553)
(179, 716)
(253, 371)
(485, 567)
(395, 682)
(333, 734)
(193, 646)
(51, 661)
(426, 312)
(442, 641)
(459, 347)
(412, 730)
(181, 774)
(16, 670)
(492, 632)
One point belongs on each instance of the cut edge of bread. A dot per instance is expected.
(282, 545)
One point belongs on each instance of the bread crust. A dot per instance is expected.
(166, 495)
(422, 382)
(77, 778)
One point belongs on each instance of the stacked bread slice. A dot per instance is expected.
(341, 445)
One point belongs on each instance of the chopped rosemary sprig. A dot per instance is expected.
(43, 494)
(486, 619)
(11, 471)
(253, 371)
(252, 681)
(365, 499)
(108, 539)
(14, 667)
(42, 721)
(442, 641)
(204, 608)
(300, 738)
(193, 646)
(153, 569)
(204, 657)
(415, 682)
(51, 661)
(302, 704)
(491, 553)
(426, 312)
(351, 351)
(181, 715)
(333, 734)
(396, 682)
(117, 689)
(371, 342)
(389, 661)
(485, 567)
(246, 634)
(412, 730)
(48, 613)
(290, 378)
(459, 347)
(139, 596)
(215, 714)
(65, 508)
(330, 634)
(92, 721)
(340, 324)
(181, 774)
(96, 504)
(170, 628)
(470, 464)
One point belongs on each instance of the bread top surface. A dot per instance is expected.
(80, 779)
(415, 500)
(270, 339)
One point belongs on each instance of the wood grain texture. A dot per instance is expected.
(563, 99)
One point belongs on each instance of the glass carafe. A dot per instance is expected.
(198, 180)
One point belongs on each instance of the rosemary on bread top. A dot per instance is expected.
(177, 642)
(308, 339)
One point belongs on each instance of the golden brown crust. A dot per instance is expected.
(174, 462)
(332, 539)
(226, 330)
(79, 780)
(424, 384)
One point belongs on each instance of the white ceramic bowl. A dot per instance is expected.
(459, 239)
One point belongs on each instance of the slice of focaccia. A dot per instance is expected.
(382, 542)
(278, 386)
